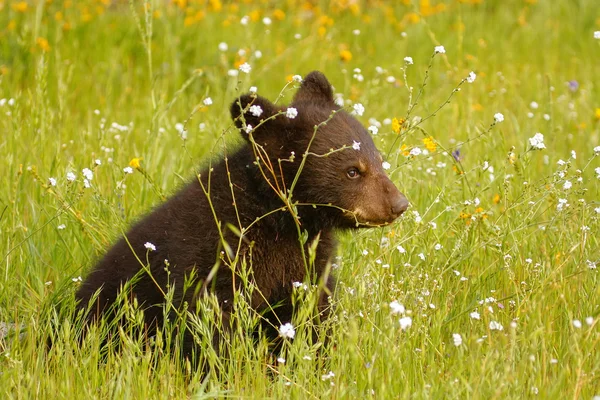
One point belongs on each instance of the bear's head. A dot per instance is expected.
(340, 168)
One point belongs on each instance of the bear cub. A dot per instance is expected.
(341, 185)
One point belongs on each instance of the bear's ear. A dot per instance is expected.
(315, 88)
(250, 111)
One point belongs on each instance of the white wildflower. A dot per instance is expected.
(457, 339)
(496, 326)
(471, 77)
(359, 109)
(150, 246)
(255, 110)
(245, 68)
(207, 101)
(287, 331)
(498, 117)
(405, 323)
(291, 113)
(386, 165)
(408, 60)
(537, 141)
(440, 50)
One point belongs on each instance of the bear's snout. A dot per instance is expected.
(399, 205)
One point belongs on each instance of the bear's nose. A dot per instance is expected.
(399, 205)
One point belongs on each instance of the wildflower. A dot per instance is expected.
(567, 185)
(457, 339)
(597, 171)
(291, 113)
(374, 130)
(471, 77)
(356, 32)
(98, 161)
(408, 60)
(52, 181)
(562, 203)
(135, 162)
(498, 117)
(267, 21)
(128, 170)
(258, 54)
(438, 246)
(248, 128)
(421, 256)
(88, 174)
(355, 145)
(597, 150)
(440, 50)
(207, 101)
(281, 360)
(573, 85)
(223, 46)
(597, 35)
(405, 323)
(415, 151)
(245, 68)
(327, 376)
(397, 124)
(71, 176)
(534, 105)
(396, 308)
(430, 143)
(61, 227)
(386, 165)
(86, 184)
(537, 141)
(590, 264)
(78, 279)
(577, 323)
(589, 320)
(573, 154)
(401, 249)
(359, 109)
(475, 315)
(297, 78)
(456, 155)
(233, 72)
(179, 127)
(496, 326)
(300, 285)
(255, 110)
(150, 246)
(345, 55)
(287, 331)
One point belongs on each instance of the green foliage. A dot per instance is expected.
(499, 235)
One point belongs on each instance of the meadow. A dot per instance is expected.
(487, 114)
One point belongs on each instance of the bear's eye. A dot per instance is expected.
(353, 173)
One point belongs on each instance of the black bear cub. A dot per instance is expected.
(341, 185)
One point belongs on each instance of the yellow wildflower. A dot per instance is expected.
(404, 150)
(345, 55)
(597, 113)
(21, 6)
(43, 44)
(135, 162)
(430, 144)
(279, 15)
(464, 215)
(397, 124)
(496, 198)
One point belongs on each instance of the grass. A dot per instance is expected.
(491, 241)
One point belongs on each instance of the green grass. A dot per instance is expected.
(530, 260)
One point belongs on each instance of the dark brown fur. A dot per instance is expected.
(185, 232)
